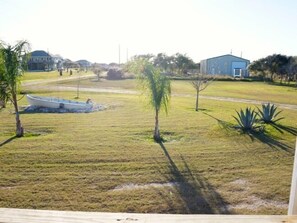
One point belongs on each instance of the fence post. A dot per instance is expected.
(293, 194)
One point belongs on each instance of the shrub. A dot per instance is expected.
(115, 74)
(269, 113)
(246, 119)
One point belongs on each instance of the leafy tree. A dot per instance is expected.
(164, 62)
(148, 57)
(200, 83)
(183, 63)
(177, 63)
(3, 98)
(272, 65)
(155, 86)
(14, 60)
(275, 63)
(258, 67)
(292, 69)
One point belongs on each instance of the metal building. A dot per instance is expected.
(225, 65)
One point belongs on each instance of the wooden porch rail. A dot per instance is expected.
(40, 216)
(11, 215)
(292, 210)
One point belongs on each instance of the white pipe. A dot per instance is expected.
(293, 194)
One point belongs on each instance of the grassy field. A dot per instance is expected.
(107, 160)
(247, 90)
(31, 76)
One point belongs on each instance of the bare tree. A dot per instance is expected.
(200, 83)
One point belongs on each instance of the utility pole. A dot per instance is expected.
(127, 56)
(78, 84)
(119, 54)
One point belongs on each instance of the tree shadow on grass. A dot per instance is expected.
(272, 142)
(282, 128)
(196, 194)
(261, 135)
(8, 141)
(199, 110)
(223, 124)
(291, 84)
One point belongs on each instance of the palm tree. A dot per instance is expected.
(13, 65)
(156, 86)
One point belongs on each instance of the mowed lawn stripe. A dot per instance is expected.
(75, 161)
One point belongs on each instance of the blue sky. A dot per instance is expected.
(94, 29)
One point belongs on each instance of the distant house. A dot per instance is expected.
(68, 64)
(225, 65)
(41, 60)
(84, 63)
(58, 60)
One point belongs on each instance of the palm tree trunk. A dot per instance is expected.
(19, 127)
(197, 99)
(157, 137)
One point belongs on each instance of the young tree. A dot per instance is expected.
(200, 83)
(154, 85)
(97, 70)
(14, 60)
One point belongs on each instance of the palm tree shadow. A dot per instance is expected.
(196, 194)
(8, 141)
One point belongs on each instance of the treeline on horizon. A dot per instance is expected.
(276, 67)
(176, 64)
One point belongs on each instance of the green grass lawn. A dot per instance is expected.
(31, 76)
(107, 161)
(247, 90)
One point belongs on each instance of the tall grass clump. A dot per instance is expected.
(269, 113)
(246, 119)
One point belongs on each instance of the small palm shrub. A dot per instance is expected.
(269, 113)
(246, 119)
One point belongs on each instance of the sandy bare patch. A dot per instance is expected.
(241, 188)
(132, 186)
(240, 185)
(253, 203)
(7, 188)
(240, 182)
